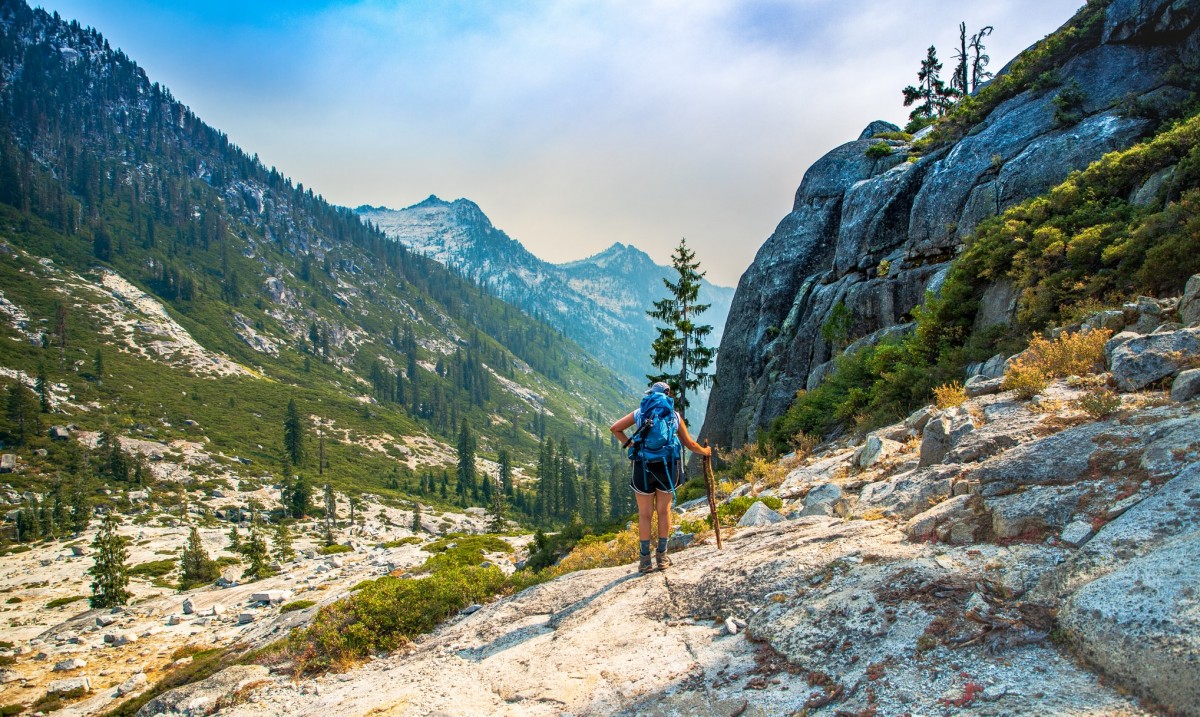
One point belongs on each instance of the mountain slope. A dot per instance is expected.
(214, 290)
(600, 301)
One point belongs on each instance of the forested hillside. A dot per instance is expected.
(161, 284)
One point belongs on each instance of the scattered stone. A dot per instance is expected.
(948, 512)
(1077, 533)
(216, 609)
(71, 684)
(1116, 509)
(1186, 385)
(272, 597)
(105, 620)
(120, 639)
(821, 499)
(189, 607)
(759, 513)
(59, 433)
(472, 609)
(74, 663)
(175, 620)
(133, 684)
(1189, 303)
(876, 449)
(1142, 361)
(245, 618)
(336, 562)
(731, 627)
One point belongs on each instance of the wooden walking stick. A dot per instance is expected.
(710, 483)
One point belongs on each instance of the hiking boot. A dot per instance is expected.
(663, 561)
(644, 565)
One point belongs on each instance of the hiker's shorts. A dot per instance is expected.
(651, 476)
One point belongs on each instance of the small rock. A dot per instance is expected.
(120, 639)
(134, 683)
(67, 665)
(105, 620)
(1186, 385)
(759, 513)
(731, 627)
(1189, 303)
(472, 609)
(188, 607)
(78, 550)
(58, 687)
(1077, 533)
(7, 676)
(174, 620)
(245, 618)
(216, 609)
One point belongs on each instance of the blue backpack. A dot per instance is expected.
(657, 439)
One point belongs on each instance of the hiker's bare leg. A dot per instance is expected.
(645, 504)
(664, 515)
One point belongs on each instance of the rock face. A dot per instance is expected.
(202, 697)
(873, 235)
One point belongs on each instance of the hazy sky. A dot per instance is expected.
(574, 123)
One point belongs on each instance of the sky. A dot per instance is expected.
(573, 124)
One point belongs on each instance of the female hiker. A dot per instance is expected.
(655, 449)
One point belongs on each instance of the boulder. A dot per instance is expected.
(1139, 623)
(906, 494)
(74, 663)
(821, 499)
(759, 513)
(918, 419)
(71, 684)
(133, 684)
(189, 607)
(1077, 533)
(245, 618)
(1142, 361)
(202, 697)
(992, 368)
(950, 512)
(942, 433)
(8, 463)
(273, 597)
(977, 386)
(875, 449)
(59, 433)
(120, 639)
(1186, 385)
(1189, 303)
(877, 127)
(1037, 509)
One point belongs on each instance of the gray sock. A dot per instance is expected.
(645, 547)
(662, 545)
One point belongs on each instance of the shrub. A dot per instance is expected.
(334, 549)
(1027, 381)
(1099, 402)
(11, 710)
(388, 613)
(733, 511)
(879, 149)
(410, 540)
(1068, 104)
(296, 605)
(1071, 354)
(949, 395)
(59, 602)
(899, 136)
(153, 569)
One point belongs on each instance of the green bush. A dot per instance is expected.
(733, 511)
(153, 569)
(879, 149)
(10, 710)
(388, 613)
(334, 549)
(410, 540)
(296, 605)
(59, 602)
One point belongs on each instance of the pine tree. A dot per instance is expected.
(255, 550)
(98, 366)
(506, 479)
(81, 509)
(979, 60)
(283, 544)
(931, 92)
(960, 81)
(466, 460)
(235, 540)
(41, 385)
(415, 526)
(680, 341)
(110, 571)
(300, 497)
(330, 514)
(293, 434)
(22, 411)
(195, 565)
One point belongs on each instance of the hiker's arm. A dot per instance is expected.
(691, 445)
(618, 428)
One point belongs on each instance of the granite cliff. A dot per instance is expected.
(869, 236)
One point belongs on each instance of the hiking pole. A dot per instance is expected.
(710, 483)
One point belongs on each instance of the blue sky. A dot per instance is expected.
(573, 124)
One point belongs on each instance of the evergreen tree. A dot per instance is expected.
(41, 385)
(98, 366)
(415, 526)
(110, 571)
(81, 508)
(466, 460)
(257, 556)
(680, 341)
(195, 565)
(235, 540)
(979, 60)
(300, 497)
(283, 544)
(22, 411)
(330, 514)
(506, 479)
(960, 81)
(293, 434)
(931, 95)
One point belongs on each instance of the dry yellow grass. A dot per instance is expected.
(1074, 354)
(949, 395)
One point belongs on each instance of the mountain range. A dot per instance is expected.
(600, 301)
